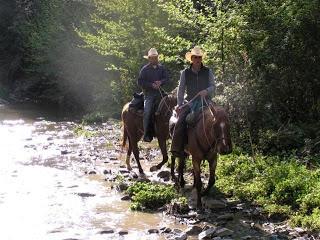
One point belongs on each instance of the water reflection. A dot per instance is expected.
(44, 193)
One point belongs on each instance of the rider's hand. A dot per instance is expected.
(177, 109)
(155, 85)
(203, 93)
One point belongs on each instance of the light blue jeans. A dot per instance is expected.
(148, 105)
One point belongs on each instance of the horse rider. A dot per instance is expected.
(151, 77)
(199, 82)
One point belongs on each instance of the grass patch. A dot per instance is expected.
(150, 196)
(82, 130)
(95, 117)
(282, 186)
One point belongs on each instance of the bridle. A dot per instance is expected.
(215, 141)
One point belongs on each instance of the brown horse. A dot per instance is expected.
(210, 136)
(133, 130)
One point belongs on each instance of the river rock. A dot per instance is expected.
(214, 203)
(64, 152)
(123, 170)
(133, 175)
(106, 231)
(122, 186)
(126, 198)
(225, 217)
(165, 175)
(178, 236)
(165, 230)
(223, 232)
(86, 194)
(153, 230)
(207, 234)
(194, 230)
(123, 232)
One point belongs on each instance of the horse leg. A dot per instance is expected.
(128, 156)
(212, 178)
(197, 180)
(135, 151)
(163, 148)
(173, 163)
(181, 167)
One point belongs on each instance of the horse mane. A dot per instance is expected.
(172, 96)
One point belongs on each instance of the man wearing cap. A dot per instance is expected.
(151, 77)
(196, 80)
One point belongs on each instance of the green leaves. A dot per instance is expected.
(150, 196)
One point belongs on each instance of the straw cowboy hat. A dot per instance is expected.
(151, 53)
(196, 51)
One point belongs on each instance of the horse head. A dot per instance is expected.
(166, 106)
(221, 130)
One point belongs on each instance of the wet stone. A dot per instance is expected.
(64, 152)
(214, 204)
(164, 174)
(122, 186)
(223, 232)
(123, 232)
(133, 175)
(85, 194)
(225, 217)
(123, 170)
(153, 230)
(165, 230)
(194, 230)
(126, 198)
(106, 231)
(207, 234)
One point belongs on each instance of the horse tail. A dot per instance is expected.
(124, 137)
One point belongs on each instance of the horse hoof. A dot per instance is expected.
(154, 168)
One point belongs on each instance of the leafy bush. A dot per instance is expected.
(82, 130)
(280, 185)
(311, 221)
(150, 196)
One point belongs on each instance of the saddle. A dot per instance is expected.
(136, 106)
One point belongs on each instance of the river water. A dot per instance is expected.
(45, 192)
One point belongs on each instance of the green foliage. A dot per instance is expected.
(281, 186)
(311, 221)
(94, 117)
(87, 54)
(150, 196)
(82, 130)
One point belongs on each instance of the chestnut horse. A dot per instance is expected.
(133, 130)
(209, 137)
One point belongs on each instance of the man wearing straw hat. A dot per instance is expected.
(198, 82)
(151, 77)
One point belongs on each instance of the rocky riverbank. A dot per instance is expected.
(94, 152)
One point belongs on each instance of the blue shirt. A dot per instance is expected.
(149, 74)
